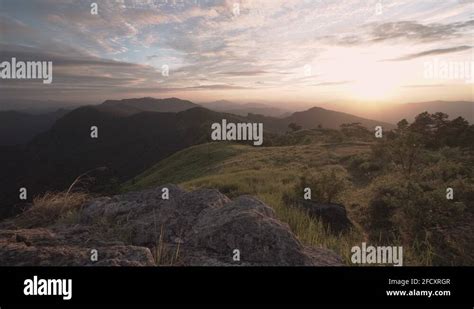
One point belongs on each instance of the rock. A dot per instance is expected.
(199, 228)
(42, 247)
(250, 226)
(334, 215)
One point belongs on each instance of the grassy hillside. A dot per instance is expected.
(190, 163)
(390, 202)
(266, 172)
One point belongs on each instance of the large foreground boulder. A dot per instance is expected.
(200, 228)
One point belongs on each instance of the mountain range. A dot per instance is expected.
(129, 107)
(133, 135)
(19, 127)
(246, 108)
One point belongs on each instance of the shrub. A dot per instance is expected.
(325, 187)
(414, 212)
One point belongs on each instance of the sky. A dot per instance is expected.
(288, 52)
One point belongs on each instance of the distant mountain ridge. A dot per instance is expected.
(393, 113)
(331, 119)
(128, 107)
(19, 127)
(246, 108)
(454, 109)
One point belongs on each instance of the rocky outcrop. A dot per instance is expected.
(200, 228)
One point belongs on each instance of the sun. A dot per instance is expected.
(372, 89)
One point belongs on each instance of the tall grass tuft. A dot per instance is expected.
(52, 207)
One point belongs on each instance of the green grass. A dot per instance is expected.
(184, 165)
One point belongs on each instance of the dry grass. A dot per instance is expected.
(52, 207)
(163, 253)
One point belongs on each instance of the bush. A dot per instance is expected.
(414, 212)
(364, 165)
(325, 187)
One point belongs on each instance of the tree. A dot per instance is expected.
(405, 150)
(423, 124)
(440, 121)
(458, 133)
(402, 125)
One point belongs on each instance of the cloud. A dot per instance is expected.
(344, 82)
(417, 32)
(432, 52)
(424, 86)
(218, 87)
(409, 31)
(76, 72)
(245, 73)
(74, 58)
(266, 45)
